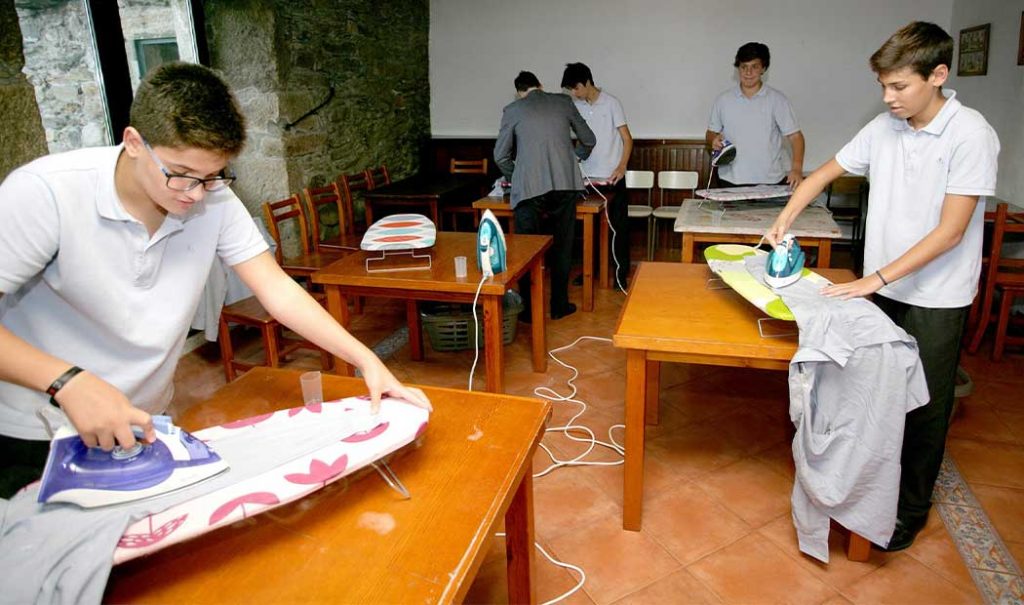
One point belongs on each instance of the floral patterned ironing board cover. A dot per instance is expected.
(400, 424)
(726, 261)
(400, 232)
(747, 192)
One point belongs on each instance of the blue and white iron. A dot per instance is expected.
(785, 263)
(725, 155)
(91, 477)
(490, 250)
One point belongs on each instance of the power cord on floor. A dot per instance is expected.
(579, 584)
(608, 219)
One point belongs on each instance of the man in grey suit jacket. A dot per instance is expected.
(545, 176)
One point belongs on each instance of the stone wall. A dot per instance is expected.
(149, 19)
(61, 65)
(22, 137)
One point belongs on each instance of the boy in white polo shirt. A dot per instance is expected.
(755, 117)
(104, 253)
(931, 162)
(608, 160)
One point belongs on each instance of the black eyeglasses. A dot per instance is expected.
(181, 182)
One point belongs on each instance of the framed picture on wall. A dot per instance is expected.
(973, 57)
(1020, 46)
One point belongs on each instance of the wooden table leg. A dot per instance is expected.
(824, 253)
(493, 347)
(606, 280)
(369, 212)
(435, 213)
(653, 391)
(519, 543)
(538, 334)
(859, 549)
(337, 306)
(412, 317)
(633, 473)
(689, 248)
(588, 262)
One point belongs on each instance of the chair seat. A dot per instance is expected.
(639, 211)
(667, 212)
(308, 264)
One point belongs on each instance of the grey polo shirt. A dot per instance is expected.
(83, 280)
(756, 126)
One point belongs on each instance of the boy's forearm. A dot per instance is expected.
(811, 187)
(709, 137)
(797, 141)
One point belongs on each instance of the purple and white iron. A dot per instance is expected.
(91, 477)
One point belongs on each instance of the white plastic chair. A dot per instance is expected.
(643, 179)
(672, 179)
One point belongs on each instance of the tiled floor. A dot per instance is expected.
(718, 479)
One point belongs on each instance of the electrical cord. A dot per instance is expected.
(618, 266)
(582, 574)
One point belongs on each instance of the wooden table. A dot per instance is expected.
(320, 549)
(671, 316)
(746, 222)
(348, 277)
(587, 211)
(429, 192)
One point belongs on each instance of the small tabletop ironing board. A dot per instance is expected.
(747, 192)
(399, 234)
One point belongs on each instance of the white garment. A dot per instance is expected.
(911, 172)
(84, 281)
(756, 126)
(604, 117)
(851, 384)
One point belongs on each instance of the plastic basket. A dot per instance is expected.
(450, 327)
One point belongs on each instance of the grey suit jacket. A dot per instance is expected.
(537, 127)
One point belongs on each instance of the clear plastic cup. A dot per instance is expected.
(312, 387)
(460, 266)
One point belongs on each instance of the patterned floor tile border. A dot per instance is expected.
(993, 568)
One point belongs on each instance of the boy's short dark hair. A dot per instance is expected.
(187, 105)
(920, 46)
(526, 80)
(751, 51)
(576, 73)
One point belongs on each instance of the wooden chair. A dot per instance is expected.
(350, 184)
(250, 312)
(378, 177)
(643, 179)
(672, 180)
(330, 196)
(463, 167)
(1004, 274)
(307, 262)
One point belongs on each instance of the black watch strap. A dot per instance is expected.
(62, 380)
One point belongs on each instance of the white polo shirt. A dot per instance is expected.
(756, 127)
(604, 117)
(911, 172)
(83, 280)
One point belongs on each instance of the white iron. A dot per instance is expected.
(490, 251)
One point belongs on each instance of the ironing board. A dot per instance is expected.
(726, 261)
(745, 193)
(400, 234)
(373, 438)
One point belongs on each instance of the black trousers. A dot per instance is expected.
(618, 218)
(21, 463)
(553, 213)
(938, 333)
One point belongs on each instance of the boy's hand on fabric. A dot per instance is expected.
(101, 413)
(382, 382)
(616, 175)
(864, 286)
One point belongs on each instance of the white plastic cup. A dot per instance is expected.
(460, 266)
(312, 387)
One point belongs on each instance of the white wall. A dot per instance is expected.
(666, 60)
(999, 95)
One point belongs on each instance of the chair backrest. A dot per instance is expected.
(378, 176)
(676, 179)
(350, 184)
(277, 213)
(468, 166)
(1005, 223)
(317, 197)
(641, 179)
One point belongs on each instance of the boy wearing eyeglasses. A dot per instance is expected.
(104, 254)
(931, 162)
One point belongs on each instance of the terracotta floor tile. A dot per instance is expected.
(839, 571)
(838, 600)
(598, 422)
(754, 570)
(658, 479)
(491, 583)
(997, 464)
(565, 501)
(675, 588)
(906, 581)
(1017, 551)
(1014, 420)
(751, 489)
(690, 524)
(617, 562)
(981, 423)
(752, 431)
(939, 553)
(780, 458)
(1005, 508)
(998, 393)
(695, 449)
